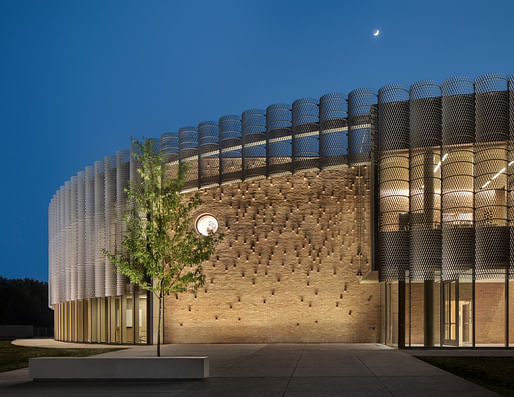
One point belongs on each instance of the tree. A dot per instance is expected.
(162, 252)
(25, 302)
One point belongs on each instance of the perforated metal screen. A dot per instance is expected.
(89, 232)
(254, 143)
(333, 134)
(188, 154)
(393, 166)
(208, 144)
(445, 163)
(491, 137)
(231, 167)
(458, 138)
(110, 222)
(122, 183)
(360, 120)
(279, 142)
(81, 233)
(511, 174)
(425, 180)
(305, 134)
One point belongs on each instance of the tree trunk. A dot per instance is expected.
(159, 326)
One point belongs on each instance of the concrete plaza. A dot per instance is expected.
(275, 370)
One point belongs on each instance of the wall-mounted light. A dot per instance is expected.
(206, 224)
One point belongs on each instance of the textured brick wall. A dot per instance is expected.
(288, 267)
(490, 316)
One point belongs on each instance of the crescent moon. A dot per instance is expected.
(376, 33)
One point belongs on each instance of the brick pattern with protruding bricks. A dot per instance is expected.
(290, 265)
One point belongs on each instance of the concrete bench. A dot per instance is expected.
(62, 368)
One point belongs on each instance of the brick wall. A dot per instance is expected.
(490, 312)
(288, 269)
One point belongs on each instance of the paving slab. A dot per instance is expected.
(286, 370)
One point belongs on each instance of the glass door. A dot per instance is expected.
(451, 313)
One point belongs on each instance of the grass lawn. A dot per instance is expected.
(14, 357)
(493, 373)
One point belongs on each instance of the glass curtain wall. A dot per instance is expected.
(117, 319)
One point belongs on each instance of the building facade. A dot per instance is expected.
(382, 216)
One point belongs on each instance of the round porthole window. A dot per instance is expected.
(206, 224)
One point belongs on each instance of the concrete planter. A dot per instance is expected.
(62, 368)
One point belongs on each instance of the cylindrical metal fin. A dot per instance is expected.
(458, 138)
(254, 143)
(393, 165)
(305, 134)
(333, 133)
(278, 133)
(491, 135)
(230, 148)
(208, 147)
(425, 180)
(110, 222)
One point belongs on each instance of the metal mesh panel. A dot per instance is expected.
(169, 147)
(511, 174)
(135, 183)
(188, 154)
(445, 174)
(491, 134)
(360, 119)
(425, 180)
(122, 183)
(57, 230)
(55, 271)
(64, 294)
(50, 258)
(51, 252)
(135, 165)
(333, 134)
(254, 143)
(208, 145)
(56, 295)
(89, 221)
(305, 134)
(99, 228)
(156, 144)
(63, 253)
(61, 247)
(230, 148)
(81, 233)
(458, 137)
(279, 134)
(67, 241)
(110, 222)
(73, 237)
(393, 164)
(56, 276)
(52, 280)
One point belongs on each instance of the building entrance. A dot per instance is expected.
(457, 314)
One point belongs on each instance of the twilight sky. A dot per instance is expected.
(79, 78)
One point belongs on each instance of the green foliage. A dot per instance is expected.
(162, 252)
